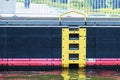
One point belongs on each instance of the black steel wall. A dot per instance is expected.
(103, 42)
(44, 42)
(30, 42)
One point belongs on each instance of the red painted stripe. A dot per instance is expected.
(107, 59)
(30, 62)
(55, 62)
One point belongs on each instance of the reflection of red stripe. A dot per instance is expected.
(55, 62)
(34, 73)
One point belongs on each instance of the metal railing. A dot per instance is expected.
(57, 7)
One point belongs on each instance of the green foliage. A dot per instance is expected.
(19, 0)
(109, 11)
(57, 4)
(80, 4)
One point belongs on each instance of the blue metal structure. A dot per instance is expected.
(116, 4)
(97, 4)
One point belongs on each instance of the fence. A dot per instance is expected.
(57, 7)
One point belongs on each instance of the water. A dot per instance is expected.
(65, 74)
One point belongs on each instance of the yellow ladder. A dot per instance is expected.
(73, 44)
(73, 47)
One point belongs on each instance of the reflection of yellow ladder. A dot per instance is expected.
(73, 74)
(74, 47)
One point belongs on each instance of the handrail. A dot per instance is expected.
(60, 17)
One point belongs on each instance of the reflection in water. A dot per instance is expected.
(74, 74)
(65, 74)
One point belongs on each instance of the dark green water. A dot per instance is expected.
(61, 75)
